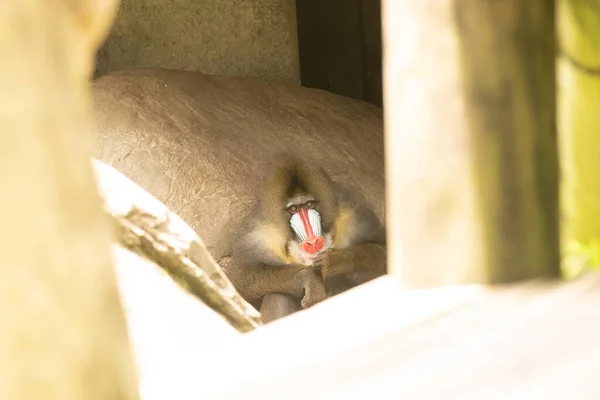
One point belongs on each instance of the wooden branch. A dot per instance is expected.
(146, 226)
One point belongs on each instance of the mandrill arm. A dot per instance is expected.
(359, 263)
(255, 282)
(360, 254)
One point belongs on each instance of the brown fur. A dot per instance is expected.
(278, 305)
(201, 143)
(290, 174)
(259, 262)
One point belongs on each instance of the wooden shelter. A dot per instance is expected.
(472, 203)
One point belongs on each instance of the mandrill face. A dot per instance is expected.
(305, 221)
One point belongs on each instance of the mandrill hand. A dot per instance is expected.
(314, 288)
(334, 262)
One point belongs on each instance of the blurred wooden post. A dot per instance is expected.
(470, 140)
(62, 330)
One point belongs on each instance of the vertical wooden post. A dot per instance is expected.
(470, 140)
(63, 334)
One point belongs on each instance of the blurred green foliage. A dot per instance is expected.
(581, 258)
(578, 23)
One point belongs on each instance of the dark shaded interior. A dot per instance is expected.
(340, 47)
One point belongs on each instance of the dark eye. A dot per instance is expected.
(293, 209)
(310, 204)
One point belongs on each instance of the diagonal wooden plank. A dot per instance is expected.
(530, 341)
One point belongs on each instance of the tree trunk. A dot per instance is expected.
(471, 141)
(63, 333)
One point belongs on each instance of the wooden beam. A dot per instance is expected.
(530, 340)
(63, 332)
(472, 169)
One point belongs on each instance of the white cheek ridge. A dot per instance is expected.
(298, 226)
(315, 222)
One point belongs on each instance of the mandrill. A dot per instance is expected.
(307, 239)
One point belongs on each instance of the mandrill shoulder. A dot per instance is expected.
(355, 222)
(261, 243)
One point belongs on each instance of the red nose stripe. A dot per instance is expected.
(312, 244)
(306, 222)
